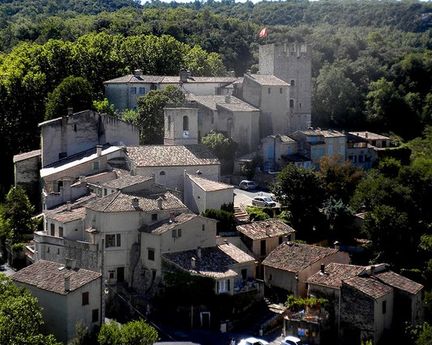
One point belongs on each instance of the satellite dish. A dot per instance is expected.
(185, 134)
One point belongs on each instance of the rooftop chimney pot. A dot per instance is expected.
(98, 150)
(159, 202)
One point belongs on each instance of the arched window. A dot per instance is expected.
(162, 173)
(185, 123)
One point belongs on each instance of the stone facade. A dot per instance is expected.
(180, 126)
(291, 62)
(68, 135)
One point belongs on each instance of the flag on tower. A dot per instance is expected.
(263, 33)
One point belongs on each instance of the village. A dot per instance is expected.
(131, 231)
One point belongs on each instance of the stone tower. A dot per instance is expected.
(291, 62)
(180, 126)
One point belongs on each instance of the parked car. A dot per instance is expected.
(252, 341)
(291, 340)
(247, 185)
(263, 201)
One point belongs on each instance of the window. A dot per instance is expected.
(292, 83)
(141, 90)
(384, 307)
(111, 274)
(95, 165)
(280, 239)
(269, 91)
(133, 90)
(58, 251)
(185, 123)
(162, 173)
(244, 273)
(85, 298)
(360, 159)
(179, 232)
(291, 103)
(203, 227)
(223, 286)
(174, 233)
(105, 192)
(281, 90)
(48, 249)
(60, 231)
(52, 229)
(112, 240)
(150, 254)
(75, 128)
(59, 186)
(154, 217)
(95, 315)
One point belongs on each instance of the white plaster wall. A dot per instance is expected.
(383, 321)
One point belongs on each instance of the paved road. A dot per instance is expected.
(5, 268)
(244, 197)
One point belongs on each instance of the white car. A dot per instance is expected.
(247, 185)
(263, 201)
(253, 341)
(291, 340)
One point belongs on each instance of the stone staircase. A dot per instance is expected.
(241, 215)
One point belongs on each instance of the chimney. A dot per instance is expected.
(68, 206)
(372, 270)
(193, 262)
(135, 202)
(138, 72)
(67, 282)
(322, 268)
(199, 253)
(159, 202)
(337, 245)
(228, 98)
(98, 150)
(69, 111)
(198, 172)
(70, 263)
(366, 134)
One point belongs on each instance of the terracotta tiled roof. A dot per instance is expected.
(333, 275)
(50, 276)
(209, 185)
(26, 155)
(171, 155)
(154, 79)
(213, 101)
(168, 224)
(80, 202)
(267, 80)
(368, 286)
(265, 229)
(399, 282)
(369, 135)
(126, 181)
(147, 201)
(215, 262)
(294, 257)
(65, 216)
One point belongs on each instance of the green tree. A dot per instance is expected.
(132, 333)
(104, 106)
(302, 192)
(223, 147)
(151, 115)
(74, 92)
(425, 336)
(20, 316)
(201, 63)
(17, 214)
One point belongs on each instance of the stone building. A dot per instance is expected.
(290, 265)
(201, 193)
(67, 294)
(123, 92)
(291, 62)
(26, 173)
(367, 301)
(75, 133)
(276, 151)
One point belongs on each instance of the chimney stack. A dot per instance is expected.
(70, 263)
(98, 150)
(138, 72)
(199, 253)
(337, 245)
(228, 98)
(135, 202)
(68, 206)
(159, 202)
(193, 263)
(69, 111)
(322, 268)
(67, 282)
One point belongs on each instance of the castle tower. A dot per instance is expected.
(291, 62)
(180, 126)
